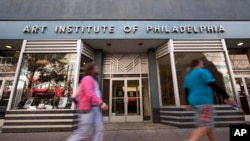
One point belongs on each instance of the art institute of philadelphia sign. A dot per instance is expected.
(110, 29)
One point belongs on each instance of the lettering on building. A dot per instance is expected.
(127, 29)
(185, 29)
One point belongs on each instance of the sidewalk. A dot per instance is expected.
(122, 132)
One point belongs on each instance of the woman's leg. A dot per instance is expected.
(211, 134)
(204, 121)
(84, 127)
(198, 133)
(97, 124)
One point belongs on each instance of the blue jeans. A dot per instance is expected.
(87, 122)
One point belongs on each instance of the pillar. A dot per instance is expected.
(98, 59)
(153, 80)
(248, 54)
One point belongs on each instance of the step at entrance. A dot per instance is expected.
(38, 121)
(179, 117)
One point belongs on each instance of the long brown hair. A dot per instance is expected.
(89, 67)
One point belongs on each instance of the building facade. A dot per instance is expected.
(143, 49)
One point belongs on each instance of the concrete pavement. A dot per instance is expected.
(122, 132)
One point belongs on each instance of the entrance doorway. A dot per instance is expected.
(126, 88)
(126, 100)
(243, 88)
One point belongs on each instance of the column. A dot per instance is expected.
(153, 81)
(248, 54)
(98, 59)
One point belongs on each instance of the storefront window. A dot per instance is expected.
(240, 61)
(9, 56)
(213, 61)
(166, 81)
(84, 60)
(8, 63)
(45, 81)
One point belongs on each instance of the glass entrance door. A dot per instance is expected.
(125, 100)
(243, 89)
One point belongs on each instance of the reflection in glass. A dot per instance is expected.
(166, 81)
(214, 62)
(45, 81)
(133, 94)
(118, 90)
(242, 89)
(106, 92)
(118, 108)
(247, 80)
(1, 81)
(84, 60)
(240, 61)
(8, 63)
(6, 87)
(146, 99)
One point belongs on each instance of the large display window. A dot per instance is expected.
(174, 58)
(46, 81)
(166, 81)
(241, 67)
(215, 62)
(9, 56)
(240, 61)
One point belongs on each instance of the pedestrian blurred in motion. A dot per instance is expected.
(199, 85)
(89, 105)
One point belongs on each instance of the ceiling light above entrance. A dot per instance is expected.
(8, 46)
(240, 44)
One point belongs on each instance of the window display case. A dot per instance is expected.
(46, 81)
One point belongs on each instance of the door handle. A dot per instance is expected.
(125, 100)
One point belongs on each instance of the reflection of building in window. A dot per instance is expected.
(8, 64)
(166, 81)
(84, 60)
(239, 61)
(214, 62)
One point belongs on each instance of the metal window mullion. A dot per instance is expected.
(16, 78)
(245, 86)
(174, 75)
(230, 69)
(77, 68)
(159, 83)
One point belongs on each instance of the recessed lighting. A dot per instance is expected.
(140, 44)
(240, 44)
(8, 46)
(108, 44)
